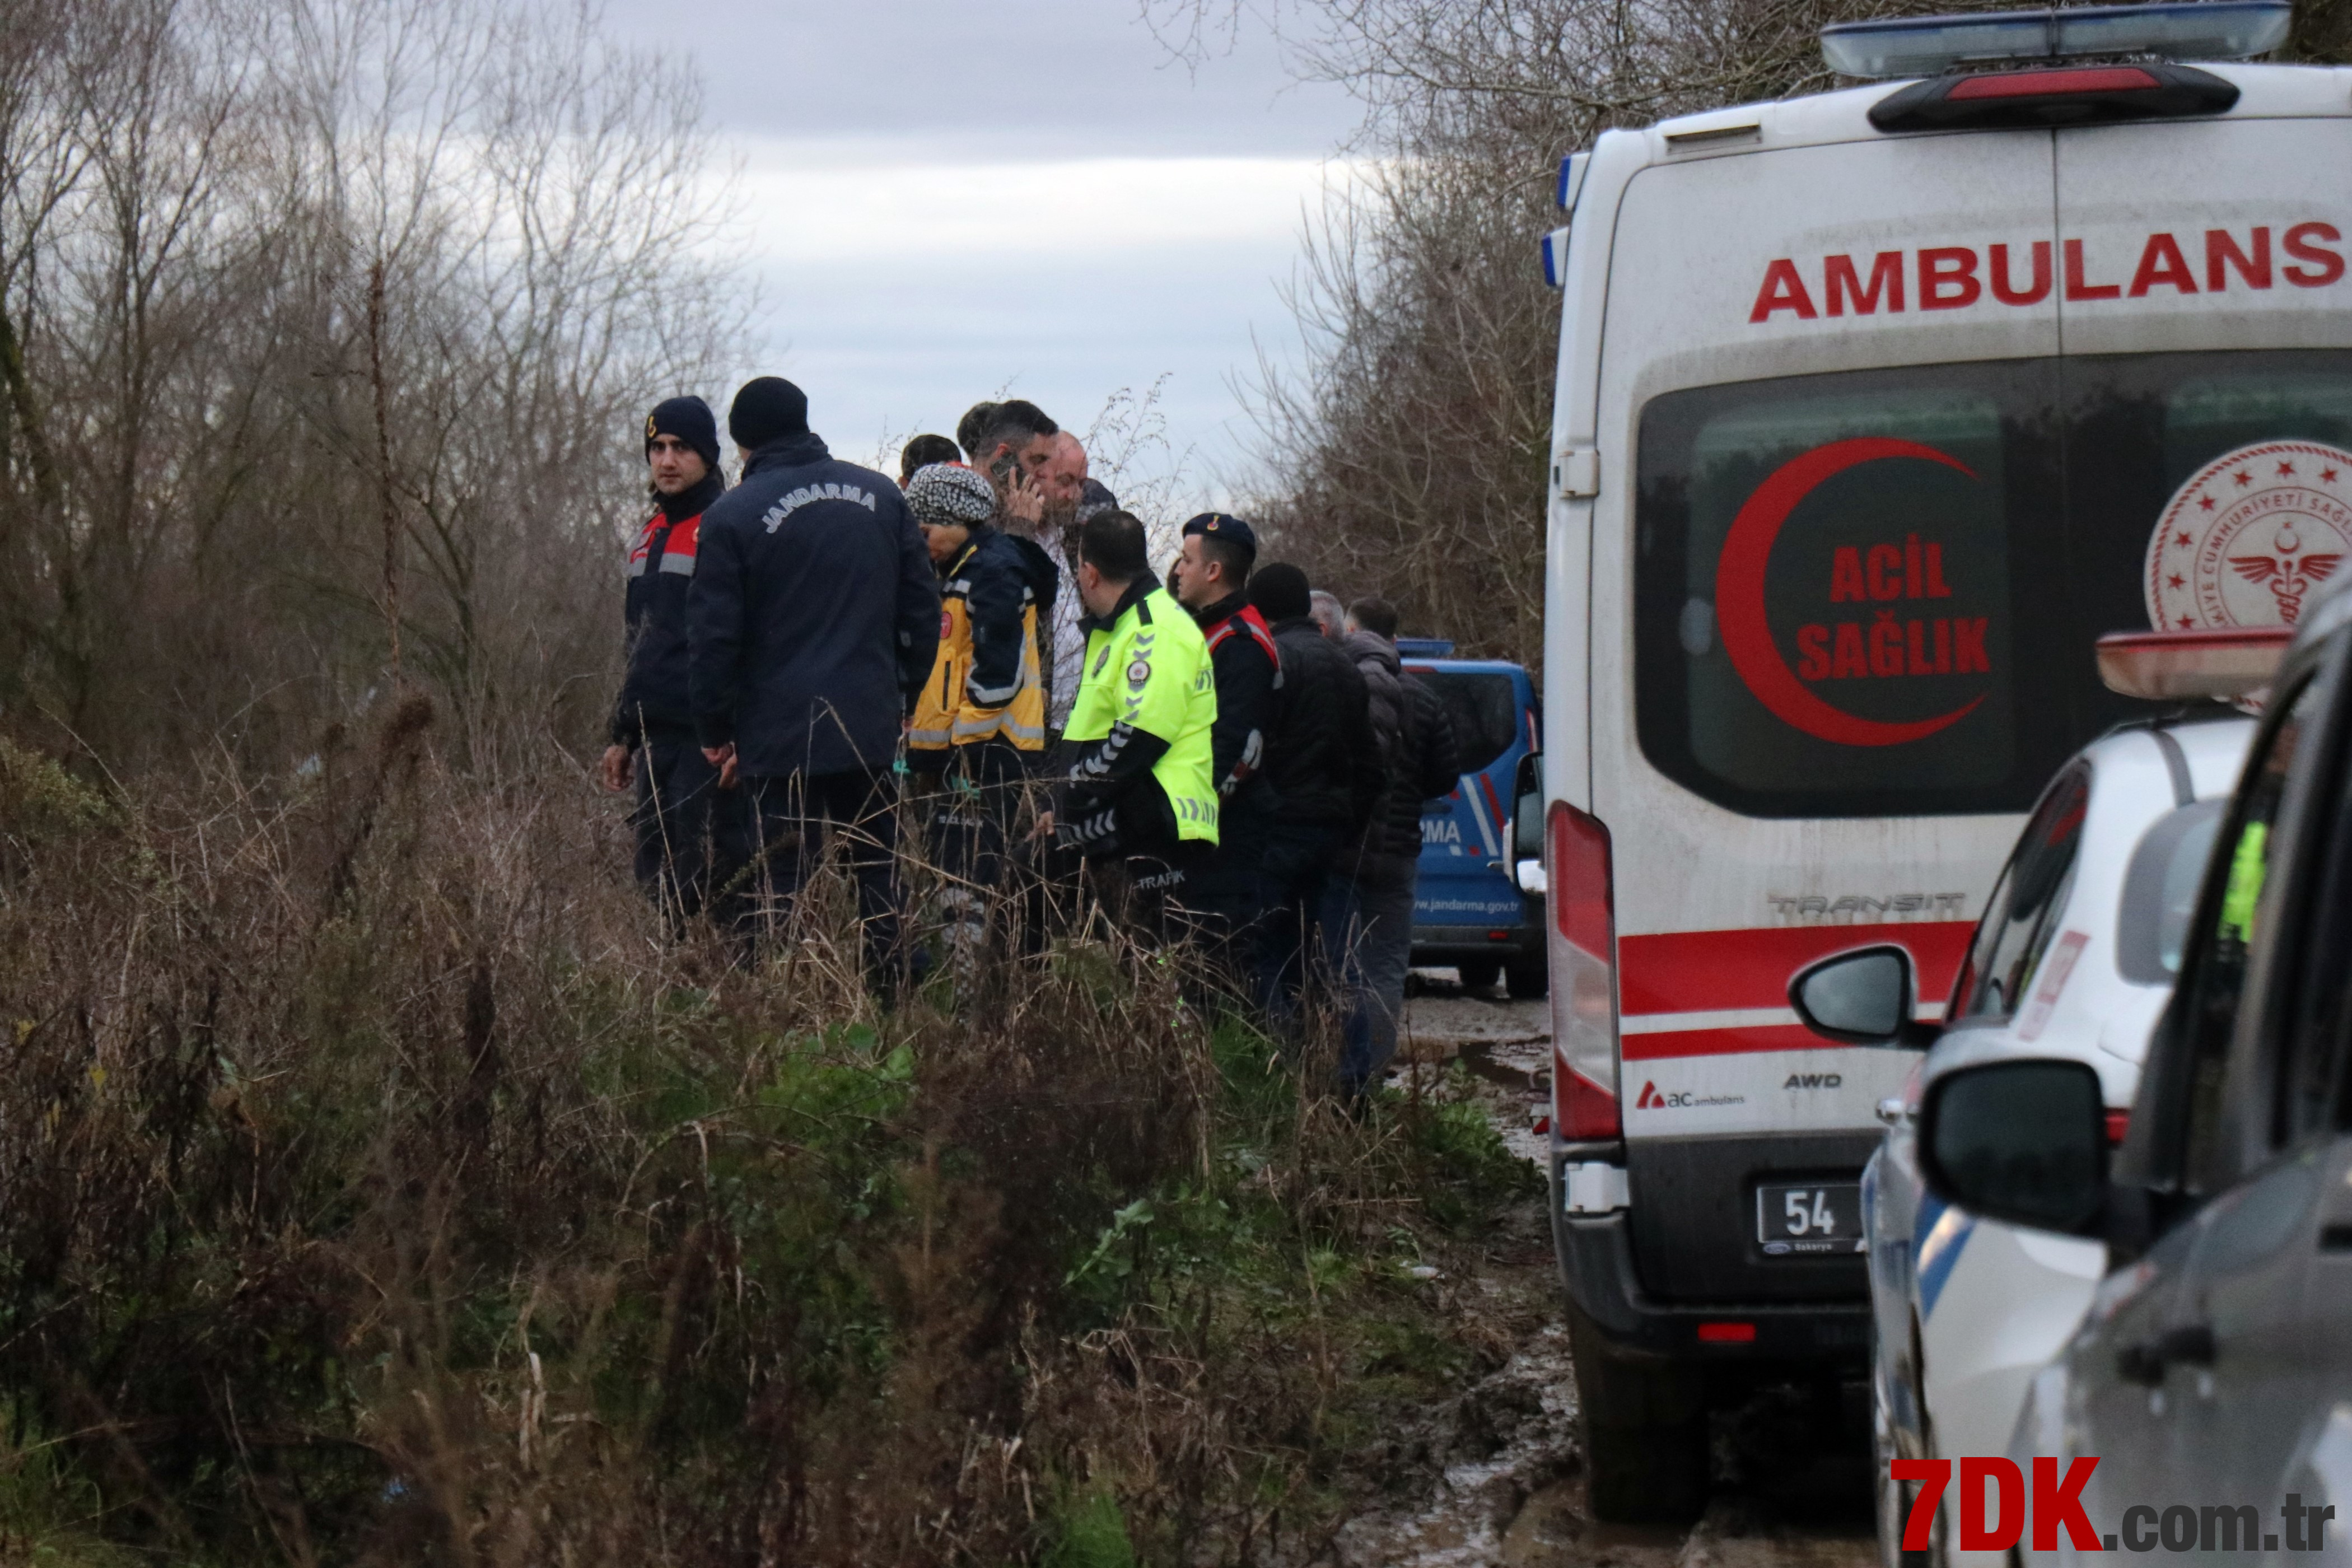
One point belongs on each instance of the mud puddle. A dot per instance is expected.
(1792, 1466)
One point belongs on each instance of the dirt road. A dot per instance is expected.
(1793, 1475)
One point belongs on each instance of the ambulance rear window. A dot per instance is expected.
(1875, 593)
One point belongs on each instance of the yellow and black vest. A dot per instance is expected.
(988, 682)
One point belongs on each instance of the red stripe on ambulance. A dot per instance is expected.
(1955, 276)
(1716, 971)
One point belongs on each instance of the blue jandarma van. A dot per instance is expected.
(1479, 908)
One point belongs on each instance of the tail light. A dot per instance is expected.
(2067, 95)
(1582, 952)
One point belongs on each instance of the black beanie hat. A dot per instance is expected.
(767, 408)
(1280, 593)
(690, 420)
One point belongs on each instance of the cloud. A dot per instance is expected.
(802, 206)
(943, 201)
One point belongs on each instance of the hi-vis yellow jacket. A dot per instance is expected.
(1148, 698)
(988, 682)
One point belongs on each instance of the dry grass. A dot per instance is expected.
(379, 1188)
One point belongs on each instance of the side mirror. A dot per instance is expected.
(1860, 998)
(2021, 1141)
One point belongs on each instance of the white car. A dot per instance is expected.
(2074, 957)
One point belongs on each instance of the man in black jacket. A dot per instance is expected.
(1207, 578)
(1381, 872)
(1327, 777)
(653, 739)
(815, 618)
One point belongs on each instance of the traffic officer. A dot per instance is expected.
(980, 720)
(1207, 578)
(1137, 786)
(813, 620)
(652, 730)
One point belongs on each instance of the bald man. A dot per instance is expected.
(1062, 479)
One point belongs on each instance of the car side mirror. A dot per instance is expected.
(1860, 998)
(2020, 1141)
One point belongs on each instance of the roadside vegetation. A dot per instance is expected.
(381, 1187)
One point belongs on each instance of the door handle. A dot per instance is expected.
(2190, 1345)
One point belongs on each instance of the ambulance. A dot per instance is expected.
(1875, 409)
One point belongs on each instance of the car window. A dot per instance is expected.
(2022, 914)
(2159, 897)
(2316, 1044)
(2243, 862)
(1484, 709)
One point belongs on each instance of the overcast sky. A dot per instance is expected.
(947, 200)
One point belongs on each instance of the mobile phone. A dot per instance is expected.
(1001, 469)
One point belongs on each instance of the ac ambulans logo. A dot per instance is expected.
(1652, 1098)
(2248, 537)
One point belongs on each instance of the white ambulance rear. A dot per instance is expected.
(1864, 432)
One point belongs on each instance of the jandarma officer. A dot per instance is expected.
(815, 618)
(653, 722)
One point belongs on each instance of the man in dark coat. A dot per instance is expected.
(652, 731)
(814, 618)
(1373, 892)
(1327, 776)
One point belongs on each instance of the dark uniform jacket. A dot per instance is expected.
(1324, 761)
(814, 614)
(654, 693)
(1428, 767)
(1416, 739)
(1249, 674)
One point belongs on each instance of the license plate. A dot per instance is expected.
(1817, 1219)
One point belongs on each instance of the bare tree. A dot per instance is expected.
(1409, 456)
(324, 327)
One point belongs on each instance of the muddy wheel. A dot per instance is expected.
(1478, 973)
(1646, 1454)
(1526, 981)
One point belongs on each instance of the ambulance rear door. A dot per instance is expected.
(2207, 321)
(1812, 639)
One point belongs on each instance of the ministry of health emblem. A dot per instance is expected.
(2249, 536)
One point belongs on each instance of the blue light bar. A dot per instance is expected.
(1554, 257)
(2186, 30)
(1425, 648)
(1571, 179)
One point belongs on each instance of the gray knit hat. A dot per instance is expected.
(948, 495)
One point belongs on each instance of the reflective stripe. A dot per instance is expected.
(994, 724)
(992, 696)
(679, 563)
(932, 740)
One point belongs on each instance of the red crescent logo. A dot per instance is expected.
(1739, 596)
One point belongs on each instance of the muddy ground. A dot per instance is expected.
(1792, 1479)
